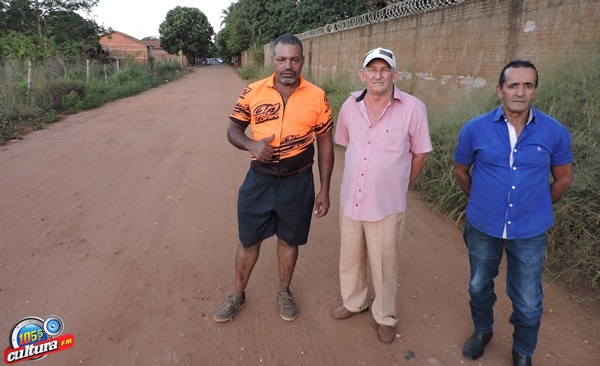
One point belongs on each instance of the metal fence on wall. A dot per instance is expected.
(393, 11)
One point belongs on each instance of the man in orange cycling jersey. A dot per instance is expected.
(285, 114)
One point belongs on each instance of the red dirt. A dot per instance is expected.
(121, 221)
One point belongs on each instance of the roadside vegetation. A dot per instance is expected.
(51, 62)
(58, 88)
(571, 94)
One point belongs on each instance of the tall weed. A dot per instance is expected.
(338, 89)
(571, 94)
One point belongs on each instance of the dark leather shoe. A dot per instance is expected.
(386, 333)
(341, 312)
(474, 346)
(520, 360)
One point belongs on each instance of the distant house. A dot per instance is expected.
(122, 46)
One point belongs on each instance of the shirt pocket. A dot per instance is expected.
(535, 156)
(394, 139)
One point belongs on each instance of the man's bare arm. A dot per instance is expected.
(563, 180)
(325, 160)
(463, 177)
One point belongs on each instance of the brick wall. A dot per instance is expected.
(462, 48)
(122, 46)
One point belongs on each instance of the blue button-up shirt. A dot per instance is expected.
(513, 196)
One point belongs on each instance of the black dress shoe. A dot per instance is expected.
(520, 360)
(474, 346)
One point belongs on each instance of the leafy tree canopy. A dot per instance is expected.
(38, 29)
(187, 30)
(256, 22)
(30, 15)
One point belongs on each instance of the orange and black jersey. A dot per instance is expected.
(294, 123)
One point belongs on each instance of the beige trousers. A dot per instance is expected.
(379, 243)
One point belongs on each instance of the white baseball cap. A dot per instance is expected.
(382, 53)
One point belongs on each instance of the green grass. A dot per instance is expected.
(338, 89)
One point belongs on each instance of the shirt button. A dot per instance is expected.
(514, 168)
(513, 187)
(356, 205)
(362, 175)
(511, 205)
(508, 222)
(515, 150)
(365, 158)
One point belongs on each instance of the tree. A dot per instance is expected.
(72, 35)
(186, 30)
(38, 29)
(21, 46)
(18, 16)
(31, 15)
(256, 22)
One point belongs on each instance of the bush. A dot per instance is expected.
(73, 102)
(168, 69)
(248, 73)
(51, 116)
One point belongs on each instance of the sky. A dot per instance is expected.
(141, 18)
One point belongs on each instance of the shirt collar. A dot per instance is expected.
(360, 95)
(499, 115)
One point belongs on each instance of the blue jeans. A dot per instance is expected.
(525, 258)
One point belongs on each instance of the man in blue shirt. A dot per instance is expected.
(512, 151)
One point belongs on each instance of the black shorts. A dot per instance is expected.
(268, 206)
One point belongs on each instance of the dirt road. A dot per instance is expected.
(121, 221)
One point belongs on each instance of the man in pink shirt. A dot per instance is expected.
(386, 135)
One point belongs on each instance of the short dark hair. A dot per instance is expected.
(517, 64)
(288, 39)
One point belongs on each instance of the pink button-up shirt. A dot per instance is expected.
(378, 156)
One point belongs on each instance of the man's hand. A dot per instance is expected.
(261, 149)
(325, 158)
(321, 204)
